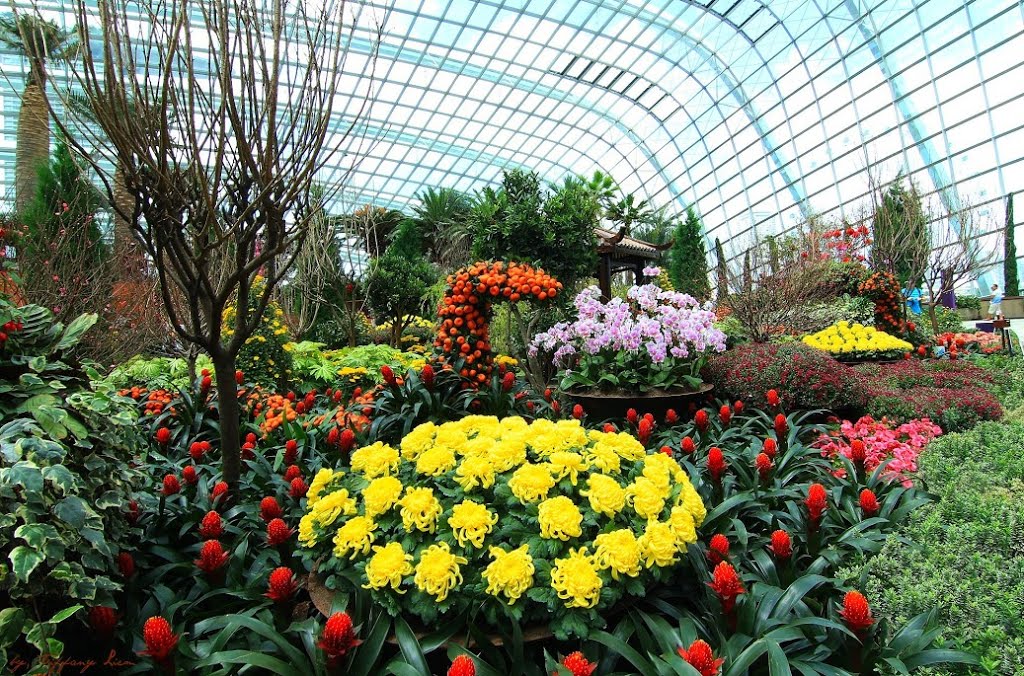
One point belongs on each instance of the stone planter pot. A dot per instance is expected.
(602, 406)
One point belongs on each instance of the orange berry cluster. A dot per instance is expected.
(278, 409)
(463, 338)
(884, 289)
(156, 401)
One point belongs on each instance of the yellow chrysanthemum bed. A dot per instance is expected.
(857, 342)
(539, 521)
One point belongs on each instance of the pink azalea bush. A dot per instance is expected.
(902, 445)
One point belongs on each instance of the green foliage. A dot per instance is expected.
(442, 216)
(65, 480)
(162, 373)
(844, 278)
(721, 270)
(1010, 276)
(688, 269)
(396, 287)
(552, 230)
(1008, 378)
(900, 232)
(975, 530)
(968, 302)
(949, 321)
(262, 358)
(854, 309)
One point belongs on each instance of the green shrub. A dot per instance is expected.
(1008, 381)
(65, 480)
(968, 302)
(262, 358)
(975, 529)
(854, 309)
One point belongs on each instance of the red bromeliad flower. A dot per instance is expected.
(700, 656)
(247, 451)
(716, 463)
(671, 417)
(346, 440)
(250, 438)
(212, 557)
(293, 472)
(643, 430)
(338, 637)
(772, 397)
(160, 639)
(555, 406)
(763, 464)
(725, 414)
(133, 512)
(782, 545)
(858, 452)
(609, 428)
(205, 384)
(239, 377)
(291, 451)
(856, 612)
(388, 374)
(770, 447)
(278, 532)
(700, 418)
(687, 446)
(171, 485)
(163, 436)
(332, 436)
(507, 381)
(126, 564)
(868, 502)
(281, 585)
(103, 621)
(189, 475)
(211, 527)
(632, 416)
(197, 449)
(298, 489)
(577, 412)
(781, 426)
(727, 584)
(219, 489)
(738, 406)
(718, 548)
(462, 665)
(817, 503)
(269, 509)
(578, 664)
(427, 376)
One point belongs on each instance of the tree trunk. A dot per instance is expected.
(33, 144)
(227, 402)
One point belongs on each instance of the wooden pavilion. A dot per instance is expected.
(619, 253)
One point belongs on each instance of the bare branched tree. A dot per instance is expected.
(220, 114)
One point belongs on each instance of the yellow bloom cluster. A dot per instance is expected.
(852, 340)
(481, 499)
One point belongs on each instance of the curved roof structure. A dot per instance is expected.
(759, 112)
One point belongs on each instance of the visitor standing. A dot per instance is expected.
(995, 306)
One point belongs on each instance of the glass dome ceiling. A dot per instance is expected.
(758, 112)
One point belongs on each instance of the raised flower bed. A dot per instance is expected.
(856, 343)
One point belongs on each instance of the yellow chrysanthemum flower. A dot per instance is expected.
(320, 481)
(647, 497)
(307, 531)
(658, 544)
(683, 527)
(530, 482)
(475, 471)
(386, 568)
(567, 464)
(618, 551)
(690, 499)
(418, 440)
(375, 460)
(605, 494)
(510, 573)
(576, 580)
(331, 506)
(437, 572)
(602, 456)
(381, 495)
(436, 461)
(507, 454)
(354, 537)
(559, 519)
(420, 510)
(471, 522)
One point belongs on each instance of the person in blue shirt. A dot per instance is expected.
(995, 306)
(913, 297)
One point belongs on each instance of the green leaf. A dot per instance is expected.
(642, 665)
(23, 561)
(939, 656)
(73, 333)
(72, 510)
(36, 534)
(61, 477)
(411, 650)
(65, 614)
(778, 665)
(369, 651)
(250, 658)
(11, 622)
(25, 474)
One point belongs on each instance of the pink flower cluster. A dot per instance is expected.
(883, 442)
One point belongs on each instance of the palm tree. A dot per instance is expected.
(443, 220)
(37, 40)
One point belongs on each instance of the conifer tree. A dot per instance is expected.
(688, 268)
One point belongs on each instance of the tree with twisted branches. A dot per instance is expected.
(219, 151)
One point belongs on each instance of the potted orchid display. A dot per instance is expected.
(651, 346)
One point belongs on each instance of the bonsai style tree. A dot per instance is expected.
(219, 155)
(1010, 278)
(37, 40)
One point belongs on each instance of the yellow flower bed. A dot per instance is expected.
(855, 341)
(545, 520)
